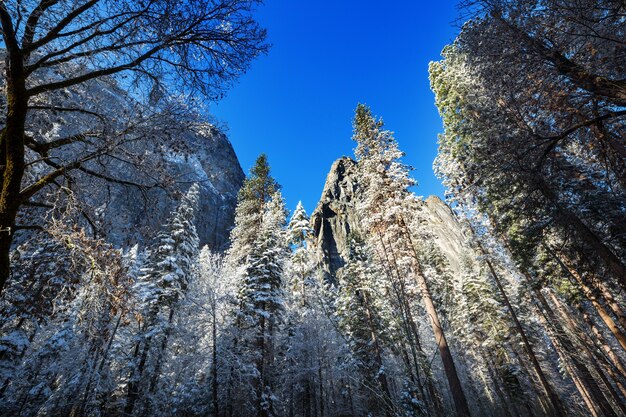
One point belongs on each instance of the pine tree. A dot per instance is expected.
(262, 300)
(360, 312)
(303, 321)
(385, 202)
(166, 276)
(170, 266)
(301, 265)
(257, 190)
(259, 249)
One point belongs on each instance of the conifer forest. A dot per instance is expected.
(142, 273)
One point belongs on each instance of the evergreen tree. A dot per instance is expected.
(383, 207)
(170, 266)
(262, 301)
(166, 275)
(259, 249)
(359, 307)
(257, 190)
(538, 179)
(304, 322)
(302, 263)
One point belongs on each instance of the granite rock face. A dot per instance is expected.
(445, 229)
(336, 215)
(210, 160)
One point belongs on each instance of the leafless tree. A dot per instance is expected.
(55, 46)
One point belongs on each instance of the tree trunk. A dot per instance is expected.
(98, 369)
(12, 162)
(258, 383)
(591, 296)
(214, 386)
(599, 286)
(413, 338)
(321, 385)
(597, 393)
(456, 389)
(460, 402)
(583, 380)
(505, 401)
(133, 385)
(565, 356)
(616, 368)
(381, 376)
(159, 358)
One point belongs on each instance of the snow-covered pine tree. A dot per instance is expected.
(42, 271)
(481, 326)
(302, 321)
(359, 307)
(302, 264)
(261, 298)
(166, 275)
(170, 265)
(384, 209)
(259, 249)
(257, 190)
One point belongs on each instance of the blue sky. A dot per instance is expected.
(296, 103)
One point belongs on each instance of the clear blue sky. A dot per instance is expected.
(296, 103)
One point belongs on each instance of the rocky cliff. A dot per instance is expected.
(131, 216)
(335, 216)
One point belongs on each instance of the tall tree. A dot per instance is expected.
(259, 248)
(55, 45)
(262, 300)
(385, 181)
(256, 191)
(166, 276)
(301, 264)
(532, 157)
(359, 307)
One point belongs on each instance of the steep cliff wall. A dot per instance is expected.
(130, 216)
(335, 215)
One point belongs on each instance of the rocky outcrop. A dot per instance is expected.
(443, 226)
(336, 215)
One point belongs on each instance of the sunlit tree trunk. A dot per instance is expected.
(597, 393)
(456, 389)
(583, 380)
